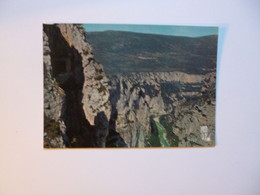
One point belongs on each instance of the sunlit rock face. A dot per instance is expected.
(138, 98)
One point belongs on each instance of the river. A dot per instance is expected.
(162, 132)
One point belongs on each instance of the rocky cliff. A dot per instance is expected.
(76, 94)
(178, 101)
(85, 108)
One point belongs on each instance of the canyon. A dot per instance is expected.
(88, 105)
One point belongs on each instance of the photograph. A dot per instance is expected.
(129, 85)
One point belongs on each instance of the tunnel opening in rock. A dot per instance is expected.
(62, 66)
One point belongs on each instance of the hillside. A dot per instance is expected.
(120, 51)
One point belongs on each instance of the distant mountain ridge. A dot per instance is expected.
(121, 51)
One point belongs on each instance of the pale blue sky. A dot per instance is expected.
(189, 31)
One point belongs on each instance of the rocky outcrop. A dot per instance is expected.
(75, 87)
(193, 120)
(139, 97)
(54, 97)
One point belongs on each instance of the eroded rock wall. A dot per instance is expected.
(76, 88)
(138, 97)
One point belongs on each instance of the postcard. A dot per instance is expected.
(129, 86)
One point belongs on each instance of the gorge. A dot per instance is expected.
(121, 89)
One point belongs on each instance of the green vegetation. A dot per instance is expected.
(170, 87)
(162, 131)
(81, 29)
(134, 52)
(195, 144)
(59, 89)
(153, 140)
(85, 52)
(98, 77)
(128, 121)
(52, 129)
(100, 71)
(172, 139)
(102, 89)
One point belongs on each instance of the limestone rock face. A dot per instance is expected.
(53, 98)
(75, 86)
(95, 94)
(133, 108)
(139, 97)
(193, 119)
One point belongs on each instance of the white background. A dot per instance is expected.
(232, 167)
